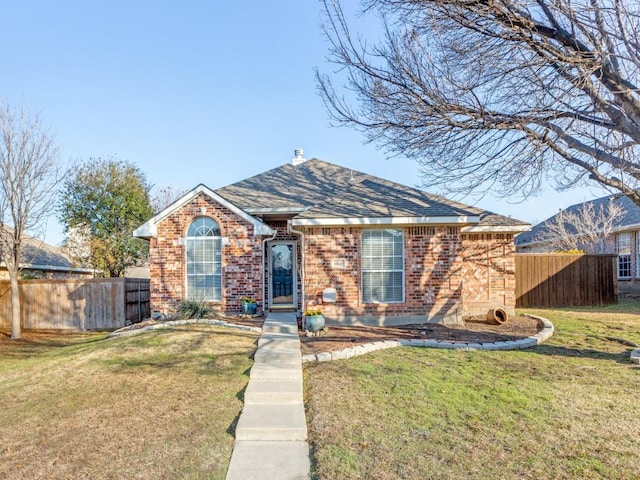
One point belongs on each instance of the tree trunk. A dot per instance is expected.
(16, 332)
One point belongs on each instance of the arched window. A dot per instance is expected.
(204, 260)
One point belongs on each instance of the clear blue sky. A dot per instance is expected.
(192, 92)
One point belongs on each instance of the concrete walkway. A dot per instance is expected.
(271, 435)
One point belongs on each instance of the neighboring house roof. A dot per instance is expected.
(629, 219)
(37, 255)
(316, 192)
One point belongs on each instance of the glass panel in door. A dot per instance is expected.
(282, 274)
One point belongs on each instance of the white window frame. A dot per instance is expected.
(205, 236)
(638, 254)
(623, 249)
(366, 297)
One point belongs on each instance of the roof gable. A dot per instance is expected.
(149, 228)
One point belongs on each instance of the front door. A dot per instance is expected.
(282, 273)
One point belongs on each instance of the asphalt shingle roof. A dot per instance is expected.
(36, 252)
(318, 189)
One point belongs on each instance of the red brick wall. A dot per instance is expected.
(447, 275)
(433, 282)
(489, 272)
(241, 257)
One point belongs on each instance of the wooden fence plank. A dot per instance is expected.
(555, 280)
(77, 304)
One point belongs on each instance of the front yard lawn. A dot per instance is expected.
(564, 410)
(158, 405)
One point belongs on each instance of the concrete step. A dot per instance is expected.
(264, 371)
(279, 327)
(273, 460)
(272, 422)
(283, 341)
(270, 390)
(277, 357)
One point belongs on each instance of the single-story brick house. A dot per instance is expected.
(365, 249)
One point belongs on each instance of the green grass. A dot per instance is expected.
(565, 409)
(158, 405)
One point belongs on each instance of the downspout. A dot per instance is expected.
(264, 249)
(302, 278)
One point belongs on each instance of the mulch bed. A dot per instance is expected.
(473, 331)
(340, 337)
(248, 321)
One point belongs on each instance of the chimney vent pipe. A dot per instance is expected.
(298, 156)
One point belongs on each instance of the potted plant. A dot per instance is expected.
(313, 320)
(249, 306)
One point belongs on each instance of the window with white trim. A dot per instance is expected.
(204, 260)
(638, 254)
(623, 244)
(382, 266)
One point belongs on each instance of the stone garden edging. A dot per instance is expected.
(542, 336)
(173, 323)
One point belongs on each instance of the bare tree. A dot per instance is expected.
(499, 93)
(584, 228)
(77, 244)
(164, 197)
(29, 176)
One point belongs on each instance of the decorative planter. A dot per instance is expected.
(497, 316)
(249, 308)
(313, 323)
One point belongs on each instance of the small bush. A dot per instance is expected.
(187, 309)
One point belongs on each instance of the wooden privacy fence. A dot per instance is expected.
(75, 304)
(565, 280)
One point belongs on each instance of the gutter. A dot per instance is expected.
(302, 272)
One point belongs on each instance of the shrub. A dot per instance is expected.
(187, 309)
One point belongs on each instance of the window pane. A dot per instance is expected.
(624, 266)
(203, 227)
(204, 260)
(624, 243)
(382, 265)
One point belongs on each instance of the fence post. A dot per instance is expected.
(139, 304)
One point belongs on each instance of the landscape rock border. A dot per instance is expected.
(173, 323)
(542, 336)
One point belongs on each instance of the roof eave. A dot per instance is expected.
(366, 221)
(52, 268)
(496, 229)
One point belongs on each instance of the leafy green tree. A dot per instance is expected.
(103, 201)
